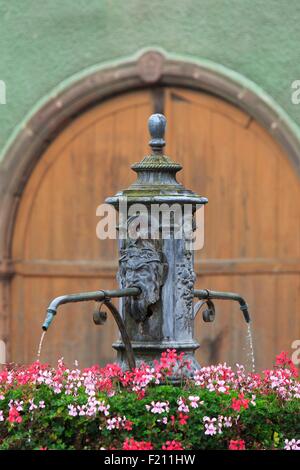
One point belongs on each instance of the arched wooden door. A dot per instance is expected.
(252, 242)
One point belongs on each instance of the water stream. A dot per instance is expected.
(40, 346)
(249, 343)
(250, 349)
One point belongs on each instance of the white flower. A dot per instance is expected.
(72, 410)
(32, 405)
(182, 406)
(210, 429)
(158, 407)
(227, 422)
(292, 445)
(195, 401)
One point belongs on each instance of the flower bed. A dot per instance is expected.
(104, 408)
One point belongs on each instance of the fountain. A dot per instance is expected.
(156, 273)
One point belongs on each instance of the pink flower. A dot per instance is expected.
(164, 420)
(182, 406)
(104, 408)
(237, 445)
(118, 422)
(111, 423)
(195, 401)
(32, 405)
(158, 407)
(221, 386)
(72, 410)
(292, 445)
(227, 422)
(1, 416)
(210, 427)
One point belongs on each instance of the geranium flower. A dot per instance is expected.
(172, 445)
(210, 427)
(182, 406)
(86, 393)
(128, 425)
(240, 402)
(292, 445)
(33, 406)
(118, 422)
(158, 407)
(283, 360)
(183, 419)
(72, 410)
(237, 445)
(103, 408)
(14, 415)
(131, 444)
(195, 401)
(227, 422)
(112, 423)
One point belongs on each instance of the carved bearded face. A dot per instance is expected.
(141, 268)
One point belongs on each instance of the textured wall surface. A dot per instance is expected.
(43, 43)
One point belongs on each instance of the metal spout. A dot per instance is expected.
(83, 297)
(206, 294)
(106, 297)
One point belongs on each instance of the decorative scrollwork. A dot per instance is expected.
(185, 278)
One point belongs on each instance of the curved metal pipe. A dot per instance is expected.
(85, 296)
(125, 338)
(210, 294)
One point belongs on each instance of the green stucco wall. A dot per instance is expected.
(43, 42)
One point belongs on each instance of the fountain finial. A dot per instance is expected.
(157, 125)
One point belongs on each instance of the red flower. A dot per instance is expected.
(131, 444)
(240, 402)
(128, 425)
(183, 418)
(283, 360)
(14, 416)
(172, 445)
(237, 445)
(140, 394)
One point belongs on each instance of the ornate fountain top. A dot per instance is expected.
(157, 126)
(157, 161)
(156, 180)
